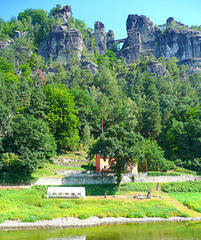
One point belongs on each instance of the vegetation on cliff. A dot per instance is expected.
(46, 106)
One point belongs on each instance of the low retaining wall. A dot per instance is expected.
(78, 179)
(97, 178)
(153, 179)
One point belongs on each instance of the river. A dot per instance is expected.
(144, 231)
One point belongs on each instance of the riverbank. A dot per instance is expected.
(90, 222)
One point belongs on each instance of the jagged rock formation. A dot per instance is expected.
(156, 67)
(110, 39)
(64, 13)
(90, 66)
(60, 45)
(144, 39)
(18, 34)
(141, 38)
(100, 37)
(176, 41)
(182, 42)
(5, 44)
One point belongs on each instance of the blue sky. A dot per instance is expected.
(113, 13)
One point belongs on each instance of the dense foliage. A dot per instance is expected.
(30, 205)
(136, 115)
(181, 187)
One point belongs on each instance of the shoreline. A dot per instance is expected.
(90, 222)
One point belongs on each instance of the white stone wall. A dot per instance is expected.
(78, 179)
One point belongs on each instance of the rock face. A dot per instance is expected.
(61, 44)
(156, 67)
(18, 34)
(110, 39)
(64, 13)
(176, 41)
(5, 44)
(90, 66)
(184, 44)
(100, 37)
(141, 38)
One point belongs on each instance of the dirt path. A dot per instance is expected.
(181, 207)
(14, 187)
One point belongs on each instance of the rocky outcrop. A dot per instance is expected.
(156, 67)
(141, 38)
(18, 34)
(4, 44)
(90, 66)
(110, 39)
(64, 13)
(100, 37)
(176, 41)
(183, 44)
(61, 44)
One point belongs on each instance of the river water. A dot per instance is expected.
(148, 231)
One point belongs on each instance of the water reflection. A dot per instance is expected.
(70, 238)
(151, 231)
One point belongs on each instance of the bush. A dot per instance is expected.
(183, 170)
(65, 205)
(181, 187)
(185, 215)
(164, 174)
(136, 187)
(30, 219)
(84, 215)
(136, 215)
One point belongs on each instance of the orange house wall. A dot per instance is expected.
(103, 165)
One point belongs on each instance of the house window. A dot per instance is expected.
(73, 194)
(60, 194)
(53, 193)
(66, 193)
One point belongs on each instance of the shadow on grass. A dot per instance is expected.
(91, 189)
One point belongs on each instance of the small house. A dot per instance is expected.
(66, 192)
(104, 166)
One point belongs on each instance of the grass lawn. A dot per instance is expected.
(49, 170)
(191, 200)
(31, 205)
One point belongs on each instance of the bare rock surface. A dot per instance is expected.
(92, 221)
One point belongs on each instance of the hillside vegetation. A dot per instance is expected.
(47, 108)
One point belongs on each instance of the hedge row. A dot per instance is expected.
(164, 174)
(181, 187)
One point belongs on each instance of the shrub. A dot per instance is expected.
(65, 205)
(184, 215)
(164, 174)
(136, 215)
(84, 215)
(30, 219)
(165, 215)
(181, 187)
(137, 187)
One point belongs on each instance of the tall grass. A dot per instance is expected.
(181, 187)
(31, 205)
(192, 201)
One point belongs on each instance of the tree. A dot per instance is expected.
(31, 140)
(61, 116)
(120, 146)
(152, 157)
(38, 16)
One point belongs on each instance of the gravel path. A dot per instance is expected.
(93, 221)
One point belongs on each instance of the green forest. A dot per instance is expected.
(121, 111)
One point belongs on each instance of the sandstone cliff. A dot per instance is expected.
(144, 39)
